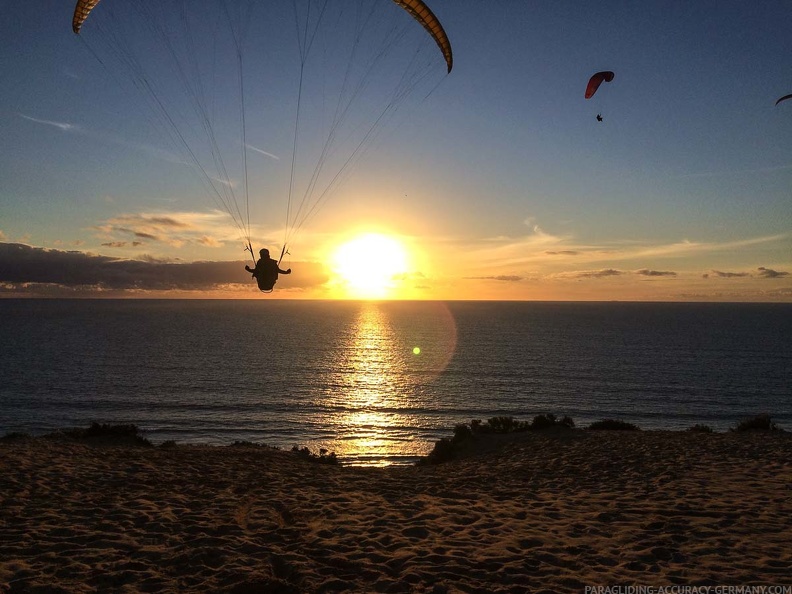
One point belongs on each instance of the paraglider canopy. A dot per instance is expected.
(417, 8)
(596, 80)
(784, 98)
(428, 20)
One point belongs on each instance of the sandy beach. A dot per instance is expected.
(539, 512)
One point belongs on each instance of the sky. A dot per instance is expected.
(495, 181)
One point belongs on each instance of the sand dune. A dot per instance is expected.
(541, 513)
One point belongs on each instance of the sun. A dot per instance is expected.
(369, 265)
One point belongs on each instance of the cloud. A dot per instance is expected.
(540, 250)
(688, 248)
(209, 241)
(768, 169)
(510, 251)
(2, 236)
(22, 264)
(166, 221)
(722, 274)
(408, 276)
(60, 125)
(503, 277)
(153, 151)
(224, 182)
(263, 152)
(596, 273)
(23, 268)
(769, 273)
(604, 273)
(122, 244)
(175, 229)
(646, 272)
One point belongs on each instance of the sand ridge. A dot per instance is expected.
(543, 512)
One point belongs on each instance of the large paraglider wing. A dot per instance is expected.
(426, 17)
(784, 98)
(596, 80)
(81, 12)
(418, 9)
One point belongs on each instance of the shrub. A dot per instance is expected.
(701, 428)
(447, 448)
(252, 444)
(613, 425)
(113, 434)
(443, 451)
(505, 425)
(758, 423)
(15, 436)
(566, 421)
(549, 421)
(464, 432)
(322, 458)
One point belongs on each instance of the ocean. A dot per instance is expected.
(379, 382)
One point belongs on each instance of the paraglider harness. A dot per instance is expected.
(267, 287)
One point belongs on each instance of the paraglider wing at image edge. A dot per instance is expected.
(417, 8)
(81, 12)
(421, 13)
(784, 98)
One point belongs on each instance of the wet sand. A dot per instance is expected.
(541, 512)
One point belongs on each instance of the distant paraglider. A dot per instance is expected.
(596, 80)
(594, 83)
(784, 98)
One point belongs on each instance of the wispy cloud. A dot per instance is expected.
(153, 151)
(175, 228)
(770, 273)
(502, 277)
(647, 272)
(508, 251)
(728, 172)
(224, 182)
(546, 249)
(604, 273)
(122, 244)
(263, 152)
(66, 127)
(724, 274)
(209, 241)
(762, 272)
(686, 247)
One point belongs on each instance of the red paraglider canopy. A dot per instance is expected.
(596, 80)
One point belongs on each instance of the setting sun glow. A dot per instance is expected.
(368, 266)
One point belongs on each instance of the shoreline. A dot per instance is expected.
(372, 457)
(538, 512)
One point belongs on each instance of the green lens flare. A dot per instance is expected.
(416, 350)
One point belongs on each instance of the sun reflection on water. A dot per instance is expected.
(383, 368)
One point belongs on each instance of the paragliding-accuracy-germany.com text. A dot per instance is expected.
(676, 589)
